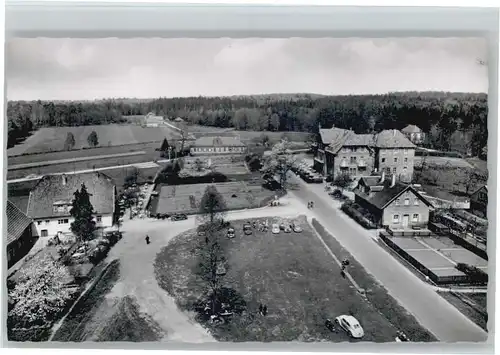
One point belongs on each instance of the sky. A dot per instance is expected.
(86, 69)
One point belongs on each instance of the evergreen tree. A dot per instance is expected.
(164, 146)
(92, 139)
(82, 210)
(212, 205)
(70, 141)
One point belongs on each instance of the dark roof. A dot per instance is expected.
(479, 189)
(392, 138)
(218, 141)
(17, 222)
(411, 129)
(381, 199)
(50, 190)
(370, 180)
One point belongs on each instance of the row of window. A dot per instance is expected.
(219, 149)
(354, 149)
(407, 202)
(396, 220)
(394, 170)
(65, 221)
(395, 160)
(395, 151)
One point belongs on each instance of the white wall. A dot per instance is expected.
(53, 226)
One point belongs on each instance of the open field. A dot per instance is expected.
(301, 291)
(186, 198)
(443, 161)
(472, 305)
(51, 139)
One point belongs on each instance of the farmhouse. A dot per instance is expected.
(218, 146)
(392, 203)
(150, 120)
(341, 151)
(479, 201)
(50, 201)
(19, 234)
(414, 134)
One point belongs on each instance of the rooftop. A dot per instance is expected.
(17, 222)
(53, 189)
(218, 141)
(411, 129)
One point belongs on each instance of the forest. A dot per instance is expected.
(452, 120)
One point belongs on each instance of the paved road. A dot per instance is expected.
(430, 309)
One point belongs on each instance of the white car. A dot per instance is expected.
(275, 229)
(350, 325)
(296, 228)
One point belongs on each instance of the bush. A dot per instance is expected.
(476, 276)
(349, 208)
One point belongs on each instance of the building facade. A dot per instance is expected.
(50, 202)
(393, 204)
(414, 134)
(341, 151)
(150, 120)
(19, 234)
(218, 146)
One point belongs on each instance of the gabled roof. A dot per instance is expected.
(392, 138)
(333, 135)
(411, 129)
(479, 189)
(17, 222)
(381, 199)
(218, 142)
(51, 189)
(359, 140)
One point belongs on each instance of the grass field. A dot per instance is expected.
(301, 290)
(51, 139)
(186, 198)
(472, 305)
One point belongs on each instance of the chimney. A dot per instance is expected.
(64, 179)
(393, 183)
(382, 179)
(394, 133)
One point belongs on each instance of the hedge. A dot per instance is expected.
(349, 208)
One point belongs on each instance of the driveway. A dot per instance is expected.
(430, 309)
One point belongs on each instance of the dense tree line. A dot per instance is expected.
(447, 117)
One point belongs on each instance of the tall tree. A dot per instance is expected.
(212, 205)
(279, 162)
(70, 141)
(82, 211)
(164, 145)
(92, 139)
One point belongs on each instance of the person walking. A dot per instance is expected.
(260, 309)
(264, 310)
(147, 239)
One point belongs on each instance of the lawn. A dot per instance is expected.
(294, 276)
(472, 305)
(98, 318)
(186, 198)
(50, 139)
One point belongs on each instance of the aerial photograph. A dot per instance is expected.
(316, 190)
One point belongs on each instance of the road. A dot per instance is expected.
(431, 310)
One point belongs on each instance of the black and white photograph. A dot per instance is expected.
(200, 190)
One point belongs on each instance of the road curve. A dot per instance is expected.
(431, 310)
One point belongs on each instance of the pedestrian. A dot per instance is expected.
(264, 310)
(342, 273)
(312, 204)
(147, 239)
(260, 308)
(343, 267)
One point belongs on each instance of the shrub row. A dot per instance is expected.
(438, 154)
(351, 209)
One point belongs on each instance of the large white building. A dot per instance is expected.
(50, 201)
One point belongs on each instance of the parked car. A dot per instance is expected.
(350, 325)
(287, 229)
(296, 228)
(275, 229)
(162, 215)
(178, 217)
(330, 326)
(230, 233)
(282, 226)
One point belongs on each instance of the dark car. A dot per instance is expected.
(162, 215)
(178, 217)
(247, 229)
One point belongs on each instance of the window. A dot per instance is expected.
(394, 170)
(395, 160)
(353, 160)
(415, 217)
(38, 222)
(406, 160)
(395, 218)
(47, 221)
(99, 218)
(407, 201)
(395, 151)
(383, 160)
(415, 202)
(62, 221)
(397, 202)
(406, 151)
(388, 170)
